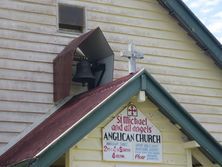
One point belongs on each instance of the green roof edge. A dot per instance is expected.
(178, 115)
(167, 104)
(194, 26)
(89, 123)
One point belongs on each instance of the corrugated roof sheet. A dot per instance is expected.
(59, 122)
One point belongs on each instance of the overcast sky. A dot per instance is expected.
(210, 13)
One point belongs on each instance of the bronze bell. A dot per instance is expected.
(83, 72)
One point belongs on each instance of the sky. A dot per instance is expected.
(210, 14)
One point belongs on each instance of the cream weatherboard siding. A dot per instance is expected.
(29, 41)
(88, 152)
(28, 44)
(171, 56)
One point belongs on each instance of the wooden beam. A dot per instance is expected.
(199, 156)
(189, 158)
(191, 144)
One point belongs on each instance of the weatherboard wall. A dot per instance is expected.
(88, 152)
(30, 41)
(171, 55)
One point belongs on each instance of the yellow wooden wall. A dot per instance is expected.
(29, 41)
(88, 152)
(171, 55)
(28, 44)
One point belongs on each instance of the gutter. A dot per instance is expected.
(195, 28)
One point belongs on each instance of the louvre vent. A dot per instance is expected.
(71, 18)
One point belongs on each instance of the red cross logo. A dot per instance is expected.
(132, 110)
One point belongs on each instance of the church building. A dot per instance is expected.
(108, 83)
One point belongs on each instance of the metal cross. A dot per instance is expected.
(132, 55)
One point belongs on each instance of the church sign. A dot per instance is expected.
(131, 137)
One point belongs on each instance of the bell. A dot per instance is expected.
(83, 72)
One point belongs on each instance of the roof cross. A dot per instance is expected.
(132, 54)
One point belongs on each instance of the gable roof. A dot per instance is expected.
(59, 123)
(195, 28)
(63, 129)
(213, 149)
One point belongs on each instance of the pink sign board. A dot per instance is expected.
(131, 137)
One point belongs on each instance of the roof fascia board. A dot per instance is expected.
(88, 124)
(167, 104)
(25, 163)
(195, 27)
(95, 108)
(176, 113)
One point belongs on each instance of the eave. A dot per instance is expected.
(158, 95)
(195, 28)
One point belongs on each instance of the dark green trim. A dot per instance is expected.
(177, 114)
(87, 125)
(143, 82)
(167, 104)
(25, 163)
(193, 25)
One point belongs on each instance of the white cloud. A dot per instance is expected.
(220, 39)
(215, 27)
(212, 2)
(206, 10)
(219, 14)
(195, 4)
(202, 3)
(210, 13)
